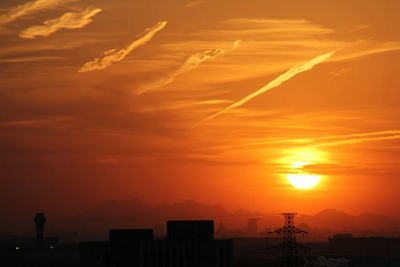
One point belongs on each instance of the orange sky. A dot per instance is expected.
(102, 100)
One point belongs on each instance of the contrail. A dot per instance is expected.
(190, 64)
(329, 140)
(366, 137)
(29, 8)
(70, 20)
(275, 83)
(356, 135)
(115, 55)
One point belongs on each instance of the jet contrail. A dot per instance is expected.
(70, 20)
(330, 140)
(190, 64)
(366, 138)
(361, 135)
(115, 55)
(275, 83)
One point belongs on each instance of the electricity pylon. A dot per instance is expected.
(289, 244)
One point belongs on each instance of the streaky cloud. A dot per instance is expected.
(273, 84)
(114, 55)
(29, 8)
(358, 138)
(356, 135)
(190, 64)
(29, 59)
(70, 20)
(194, 3)
(337, 140)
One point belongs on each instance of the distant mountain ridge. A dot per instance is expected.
(333, 219)
(136, 212)
(136, 208)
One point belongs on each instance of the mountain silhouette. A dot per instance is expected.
(134, 213)
(137, 209)
(335, 220)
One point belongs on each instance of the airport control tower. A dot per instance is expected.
(40, 221)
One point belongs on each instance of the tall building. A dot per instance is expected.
(40, 221)
(188, 244)
(252, 226)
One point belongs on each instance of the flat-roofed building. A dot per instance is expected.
(188, 244)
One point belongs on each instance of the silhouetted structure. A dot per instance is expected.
(40, 221)
(221, 231)
(124, 237)
(346, 245)
(289, 244)
(190, 230)
(37, 251)
(252, 226)
(188, 244)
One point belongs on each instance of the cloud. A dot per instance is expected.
(29, 59)
(284, 28)
(340, 72)
(29, 8)
(35, 122)
(326, 141)
(337, 140)
(363, 48)
(358, 138)
(194, 3)
(115, 55)
(70, 20)
(190, 64)
(284, 42)
(275, 83)
(183, 105)
(100, 161)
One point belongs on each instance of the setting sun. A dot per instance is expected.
(297, 164)
(303, 181)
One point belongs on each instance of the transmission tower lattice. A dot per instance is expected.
(289, 244)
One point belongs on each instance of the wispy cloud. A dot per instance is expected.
(190, 64)
(182, 105)
(275, 27)
(194, 3)
(35, 122)
(70, 20)
(340, 72)
(275, 83)
(29, 8)
(100, 161)
(115, 55)
(357, 138)
(325, 141)
(29, 59)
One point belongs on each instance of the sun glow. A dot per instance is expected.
(296, 164)
(303, 181)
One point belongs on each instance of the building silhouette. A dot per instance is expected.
(252, 226)
(40, 221)
(347, 245)
(188, 244)
(37, 251)
(221, 230)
